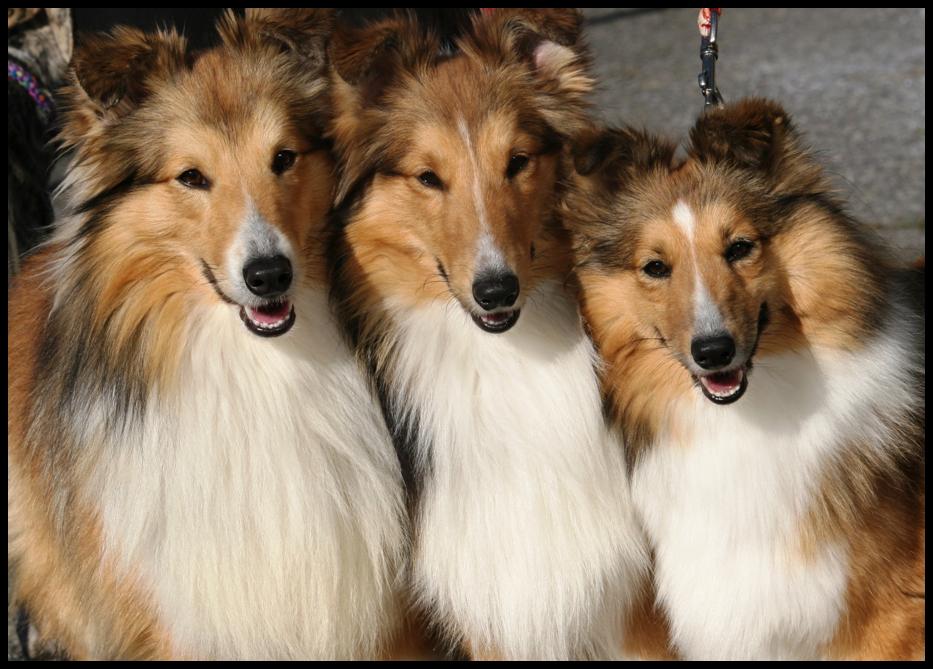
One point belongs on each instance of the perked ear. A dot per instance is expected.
(369, 57)
(366, 61)
(535, 33)
(616, 156)
(111, 75)
(750, 133)
(117, 71)
(550, 41)
(304, 33)
(756, 134)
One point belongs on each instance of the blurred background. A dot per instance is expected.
(853, 79)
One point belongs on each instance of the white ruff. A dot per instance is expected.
(723, 506)
(526, 543)
(261, 507)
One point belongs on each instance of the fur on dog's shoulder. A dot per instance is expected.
(764, 357)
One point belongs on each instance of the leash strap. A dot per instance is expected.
(708, 23)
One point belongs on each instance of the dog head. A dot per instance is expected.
(452, 155)
(712, 260)
(205, 170)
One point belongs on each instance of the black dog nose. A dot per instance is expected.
(269, 276)
(496, 290)
(713, 352)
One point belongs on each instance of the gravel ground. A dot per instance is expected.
(853, 79)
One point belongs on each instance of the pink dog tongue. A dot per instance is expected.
(496, 318)
(723, 382)
(270, 315)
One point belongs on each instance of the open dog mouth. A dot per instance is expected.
(725, 387)
(497, 322)
(728, 386)
(272, 319)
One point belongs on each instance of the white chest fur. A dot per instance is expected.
(724, 502)
(525, 541)
(262, 506)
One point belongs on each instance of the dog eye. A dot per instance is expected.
(738, 250)
(657, 269)
(194, 179)
(516, 164)
(283, 160)
(431, 180)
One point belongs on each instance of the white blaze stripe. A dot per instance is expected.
(255, 238)
(478, 202)
(488, 254)
(684, 218)
(706, 317)
(262, 238)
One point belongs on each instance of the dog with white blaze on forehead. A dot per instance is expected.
(451, 276)
(197, 467)
(764, 359)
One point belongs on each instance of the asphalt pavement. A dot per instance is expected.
(852, 79)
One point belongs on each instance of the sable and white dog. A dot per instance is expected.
(784, 501)
(450, 276)
(197, 468)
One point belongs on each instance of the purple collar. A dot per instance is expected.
(39, 94)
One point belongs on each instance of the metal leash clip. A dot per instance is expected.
(709, 53)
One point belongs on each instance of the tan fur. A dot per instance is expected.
(885, 523)
(406, 228)
(444, 227)
(54, 582)
(825, 283)
(406, 236)
(647, 635)
(403, 109)
(413, 641)
(138, 113)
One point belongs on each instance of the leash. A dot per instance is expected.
(708, 23)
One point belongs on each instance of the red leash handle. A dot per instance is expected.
(703, 20)
(708, 23)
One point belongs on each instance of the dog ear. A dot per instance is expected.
(116, 71)
(616, 156)
(547, 37)
(365, 61)
(757, 134)
(609, 166)
(750, 133)
(368, 58)
(550, 42)
(304, 33)
(111, 75)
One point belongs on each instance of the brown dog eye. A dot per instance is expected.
(657, 269)
(194, 179)
(738, 250)
(516, 164)
(283, 161)
(431, 180)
